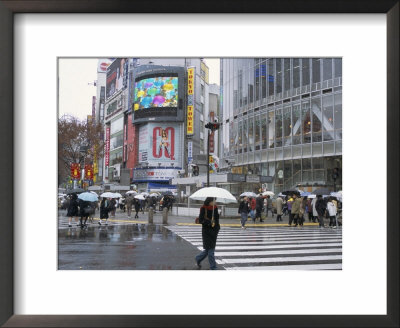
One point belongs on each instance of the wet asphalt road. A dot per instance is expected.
(124, 247)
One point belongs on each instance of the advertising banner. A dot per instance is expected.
(153, 174)
(190, 119)
(190, 107)
(88, 172)
(160, 143)
(75, 171)
(103, 65)
(117, 74)
(190, 152)
(107, 147)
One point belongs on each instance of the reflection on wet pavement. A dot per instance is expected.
(123, 247)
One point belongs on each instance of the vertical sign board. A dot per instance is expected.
(107, 147)
(190, 104)
(190, 152)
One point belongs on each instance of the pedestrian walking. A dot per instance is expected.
(295, 210)
(243, 211)
(332, 210)
(314, 210)
(86, 209)
(209, 219)
(269, 206)
(252, 204)
(105, 207)
(73, 210)
(259, 207)
(137, 208)
(129, 203)
(320, 207)
(309, 209)
(279, 208)
(289, 208)
(113, 205)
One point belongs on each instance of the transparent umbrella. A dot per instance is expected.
(248, 194)
(219, 194)
(88, 196)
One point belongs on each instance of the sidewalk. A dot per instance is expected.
(122, 217)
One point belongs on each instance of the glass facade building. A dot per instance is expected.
(282, 117)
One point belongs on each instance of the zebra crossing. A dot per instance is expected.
(280, 248)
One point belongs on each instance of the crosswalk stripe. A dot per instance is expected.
(241, 247)
(279, 252)
(315, 241)
(281, 259)
(266, 238)
(326, 266)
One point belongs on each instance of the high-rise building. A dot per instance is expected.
(282, 117)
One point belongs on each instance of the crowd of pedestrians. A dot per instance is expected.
(297, 208)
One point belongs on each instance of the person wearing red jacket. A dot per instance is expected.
(252, 206)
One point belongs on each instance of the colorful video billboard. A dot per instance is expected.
(156, 92)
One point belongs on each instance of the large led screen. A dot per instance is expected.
(156, 92)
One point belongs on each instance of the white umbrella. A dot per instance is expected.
(221, 195)
(107, 195)
(131, 192)
(88, 196)
(145, 194)
(311, 196)
(248, 194)
(117, 195)
(140, 197)
(268, 193)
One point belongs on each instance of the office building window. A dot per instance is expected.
(271, 77)
(264, 135)
(316, 120)
(257, 132)
(271, 129)
(338, 67)
(278, 127)
(338, 115)
(245, 136)
(327, 117)
(286, 70)
(296, 73)
(327, 68)
(307, 170)
(297, 124)
(263, 69)
(251, 135)
(278, 76)
(306, 121)
(305, 71)
(287, 126)
(316, 70)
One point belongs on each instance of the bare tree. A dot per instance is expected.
(78, 142)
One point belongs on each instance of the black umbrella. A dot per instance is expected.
(75, 191)
(291, 192)
(321, 191)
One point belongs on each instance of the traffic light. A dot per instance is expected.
(212, 126)
(335, 173)
(195, 171)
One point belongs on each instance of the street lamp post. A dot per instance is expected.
(211, 128)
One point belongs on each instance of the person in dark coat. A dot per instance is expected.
(320, 206)
(209, 219)
(105, 207)
(73, 210)
(113, 204)
(259, 207)
(243, 211)
(137, 208)
(86, 208)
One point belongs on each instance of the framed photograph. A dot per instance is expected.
(306, 106)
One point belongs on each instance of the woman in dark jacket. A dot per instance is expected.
(73, 210)
(86, 209)
(320, 206)
(104, 209)
(137, 208)
(244, 211)
(209, 219)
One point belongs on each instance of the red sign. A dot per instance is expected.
(107, 147)
(75, 171)
(88, 172)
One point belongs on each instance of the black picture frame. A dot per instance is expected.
(7, 11)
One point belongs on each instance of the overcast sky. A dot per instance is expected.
(76, 94)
